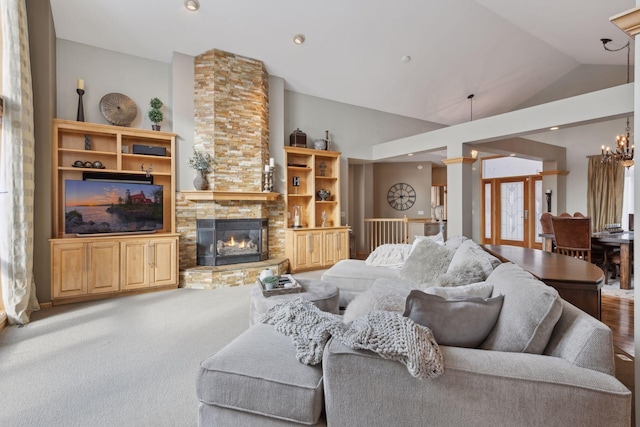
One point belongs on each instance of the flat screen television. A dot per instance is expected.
(112, 207)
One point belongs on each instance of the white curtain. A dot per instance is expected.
(17, 167)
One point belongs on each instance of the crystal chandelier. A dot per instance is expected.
(623, 151)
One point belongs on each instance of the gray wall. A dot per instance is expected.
(353, 130)
(42, 46)
(105, 71)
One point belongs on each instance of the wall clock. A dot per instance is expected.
(401, 196)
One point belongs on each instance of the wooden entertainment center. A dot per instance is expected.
(94, 266)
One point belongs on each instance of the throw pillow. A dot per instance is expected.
(454, 242)
(385, 294)
(391, 255)
(480, 289)
(470, 252)
(470, 272)
(427, 261)
(438, 238)
(457, 322)
(530, 311)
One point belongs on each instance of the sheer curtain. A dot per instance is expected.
(604, 192)
(16, 167)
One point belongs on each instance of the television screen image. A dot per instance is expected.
(96, 207)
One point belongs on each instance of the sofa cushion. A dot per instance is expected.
(427, 261)
(258, 373)
(457, 322)
(529, 312)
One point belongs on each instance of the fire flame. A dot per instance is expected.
(232, 242)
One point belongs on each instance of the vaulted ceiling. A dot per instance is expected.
(503, 51)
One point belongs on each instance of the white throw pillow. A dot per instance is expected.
(438, 238)
(427, 261)
(480, 289)
(391, 255)
(385, 294)
(471, 255)
(454, 242)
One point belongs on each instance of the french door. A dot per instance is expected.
(510, 210)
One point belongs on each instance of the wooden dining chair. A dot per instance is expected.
(572, 236)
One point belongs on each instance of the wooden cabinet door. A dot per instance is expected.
(163, 266)
(69, 270)
(336, 246)
(135, 255)
(307, 250)
(103, 262)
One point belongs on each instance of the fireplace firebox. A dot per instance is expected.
(231, 241)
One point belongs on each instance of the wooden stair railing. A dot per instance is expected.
(380, 231)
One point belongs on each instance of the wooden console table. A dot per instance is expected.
(578, 282)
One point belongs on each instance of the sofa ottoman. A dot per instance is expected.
(324, 295)
(256, 380)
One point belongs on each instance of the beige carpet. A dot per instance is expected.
(129, 361)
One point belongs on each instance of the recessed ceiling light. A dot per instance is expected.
(192, 5)
(410, 154)
(406, 58)
(298, 38)
(554, 128)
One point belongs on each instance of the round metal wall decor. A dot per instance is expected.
(118, 109)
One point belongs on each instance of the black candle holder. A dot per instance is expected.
(548, 196)
(80, 116)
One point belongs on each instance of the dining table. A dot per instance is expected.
(622, 240)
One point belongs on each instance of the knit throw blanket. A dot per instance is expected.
(386, 333)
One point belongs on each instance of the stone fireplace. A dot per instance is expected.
(231, 123)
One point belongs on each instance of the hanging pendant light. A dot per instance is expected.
(624, 150)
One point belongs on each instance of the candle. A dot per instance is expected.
(272, 162)
(548, 191)
(80, 84)
(266, 168)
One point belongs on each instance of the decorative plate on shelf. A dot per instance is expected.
(118, 109)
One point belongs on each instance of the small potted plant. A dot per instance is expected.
(201, 163)
(155, 115)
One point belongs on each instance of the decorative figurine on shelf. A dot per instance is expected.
(155, 115)
(201, 163)
(87, 142)
(324, 218)
(296, 183)
(324, 194)
(323, 168)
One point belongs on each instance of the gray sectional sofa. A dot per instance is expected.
(544, 363)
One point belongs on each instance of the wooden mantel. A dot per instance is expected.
(206, 195)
